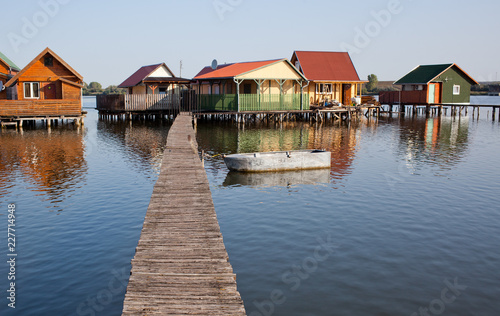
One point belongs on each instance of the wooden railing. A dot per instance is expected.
(403, 97)
(252, 102)
(28, 108)
(151, 102)
(112, 102)
(139, 102)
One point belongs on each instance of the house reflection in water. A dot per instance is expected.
(54, 162)
(441, 141)
(341, 141)
(143, 144)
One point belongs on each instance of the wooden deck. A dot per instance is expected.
(181, 266)
(42, 108)
(137, 103)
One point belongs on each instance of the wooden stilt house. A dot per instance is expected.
(152, 88)
(431, 84)
(46, 88)
(332, 76)
(7, 70)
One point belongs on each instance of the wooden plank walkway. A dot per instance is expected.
(181, 266)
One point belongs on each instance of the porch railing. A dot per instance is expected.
(252, 102)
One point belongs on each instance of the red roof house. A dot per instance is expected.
(153, 79)
(332, 76)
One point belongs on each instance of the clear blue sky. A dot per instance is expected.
(106, 41)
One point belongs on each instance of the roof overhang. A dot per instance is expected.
(338, 81)
(76, 84)
(244, 74)
(13, 81)
(166, 80)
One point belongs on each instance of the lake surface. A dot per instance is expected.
(406, 221)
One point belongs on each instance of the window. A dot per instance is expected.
(456, 89)
(323, 88)
(48, 61)
(31, 90)
(247, 88)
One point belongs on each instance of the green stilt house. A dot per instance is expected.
(273, 85)
(432, 84)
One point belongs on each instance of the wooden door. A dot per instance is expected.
(432, 93)
(50, 91)
(346, 94)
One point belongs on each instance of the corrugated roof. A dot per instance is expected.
(9, 62)
(232, 70)
(423, 74)
(326, 66)
(138, 76)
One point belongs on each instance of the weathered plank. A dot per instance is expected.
(181, 265)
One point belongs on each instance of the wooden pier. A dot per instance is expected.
(181, 266)
(439, 108)
(315, 114)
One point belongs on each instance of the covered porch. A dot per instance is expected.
(243, 95)
(330, 92)
(273, 85)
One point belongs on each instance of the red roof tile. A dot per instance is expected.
(232, 70)
(138, 76)
(326, 66)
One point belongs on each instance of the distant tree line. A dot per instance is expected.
(95, 88)
(481, 88)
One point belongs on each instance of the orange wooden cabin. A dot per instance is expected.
(46, 88)
(7, 70)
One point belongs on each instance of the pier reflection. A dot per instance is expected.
(52, 161)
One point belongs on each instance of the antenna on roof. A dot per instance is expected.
(214, 64)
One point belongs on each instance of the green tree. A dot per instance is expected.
(372, 83)
(114, 90)
(95, 86)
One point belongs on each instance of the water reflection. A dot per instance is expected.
(439, 141)
(51, 161)
(142, 142)
(283, 179)
(216, 139)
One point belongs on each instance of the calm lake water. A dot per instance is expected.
(406, 221)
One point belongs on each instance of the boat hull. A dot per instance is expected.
(279, 161)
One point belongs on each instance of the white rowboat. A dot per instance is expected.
(279, 161)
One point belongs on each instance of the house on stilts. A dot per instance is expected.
(48, 89)
(7, 70)
(431, 85)
(332, 75)
(152, 89)
(271, 85)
